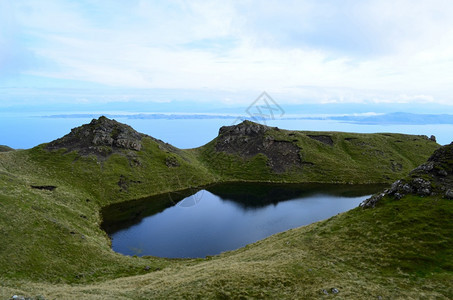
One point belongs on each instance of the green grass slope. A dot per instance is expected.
(334, 157)
(52, 244)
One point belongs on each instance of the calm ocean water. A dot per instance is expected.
(22, 132)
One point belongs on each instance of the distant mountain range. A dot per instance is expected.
(366, 119)
(398, 118)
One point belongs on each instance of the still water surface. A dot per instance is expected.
(197, 223)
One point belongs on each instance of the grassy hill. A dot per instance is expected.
(251, 151)
(51, 197)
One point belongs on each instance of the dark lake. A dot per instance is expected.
(218, 218)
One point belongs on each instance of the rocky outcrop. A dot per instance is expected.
(101, 136)
(248, 139)
(4, 148)
(435, 177)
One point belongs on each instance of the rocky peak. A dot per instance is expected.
(435, 177)
(246, 128)
(101, 136)
(248, 139)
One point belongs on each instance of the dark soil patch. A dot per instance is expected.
(44, 187)
(325, 139)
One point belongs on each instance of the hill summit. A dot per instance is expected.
(248, 139)
(101, 136)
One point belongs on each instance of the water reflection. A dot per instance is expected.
(251, 196)
(217, 218)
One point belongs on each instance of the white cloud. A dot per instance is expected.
(402, 47)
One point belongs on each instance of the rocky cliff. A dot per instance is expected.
(433, 178)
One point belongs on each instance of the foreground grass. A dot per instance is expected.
(399, 250)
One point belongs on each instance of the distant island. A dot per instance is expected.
(395, 118)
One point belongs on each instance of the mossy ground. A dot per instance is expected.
(52, 243)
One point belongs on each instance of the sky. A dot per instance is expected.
(93, 53)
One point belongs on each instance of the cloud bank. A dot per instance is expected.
(303, 51)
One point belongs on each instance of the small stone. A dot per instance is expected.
(335, 291)
(325, 292)
(147, 268)
(449, 194)
(398, 196)
(394, 187)
(371, 202)
(172, 162)
(425, 192)
(422, 186)
(442, 173)
(406, 189)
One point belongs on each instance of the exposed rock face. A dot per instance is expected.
(435, 177)
(249, 139)
(101, 137)
(325, 139)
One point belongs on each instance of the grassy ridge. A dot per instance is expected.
(352, 158)
(53, 238)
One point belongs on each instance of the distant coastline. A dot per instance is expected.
(364, 119)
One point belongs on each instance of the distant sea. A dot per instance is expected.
(25, 131)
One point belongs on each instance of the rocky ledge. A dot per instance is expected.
(101, 137)
(248, 139)
(433, 178)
